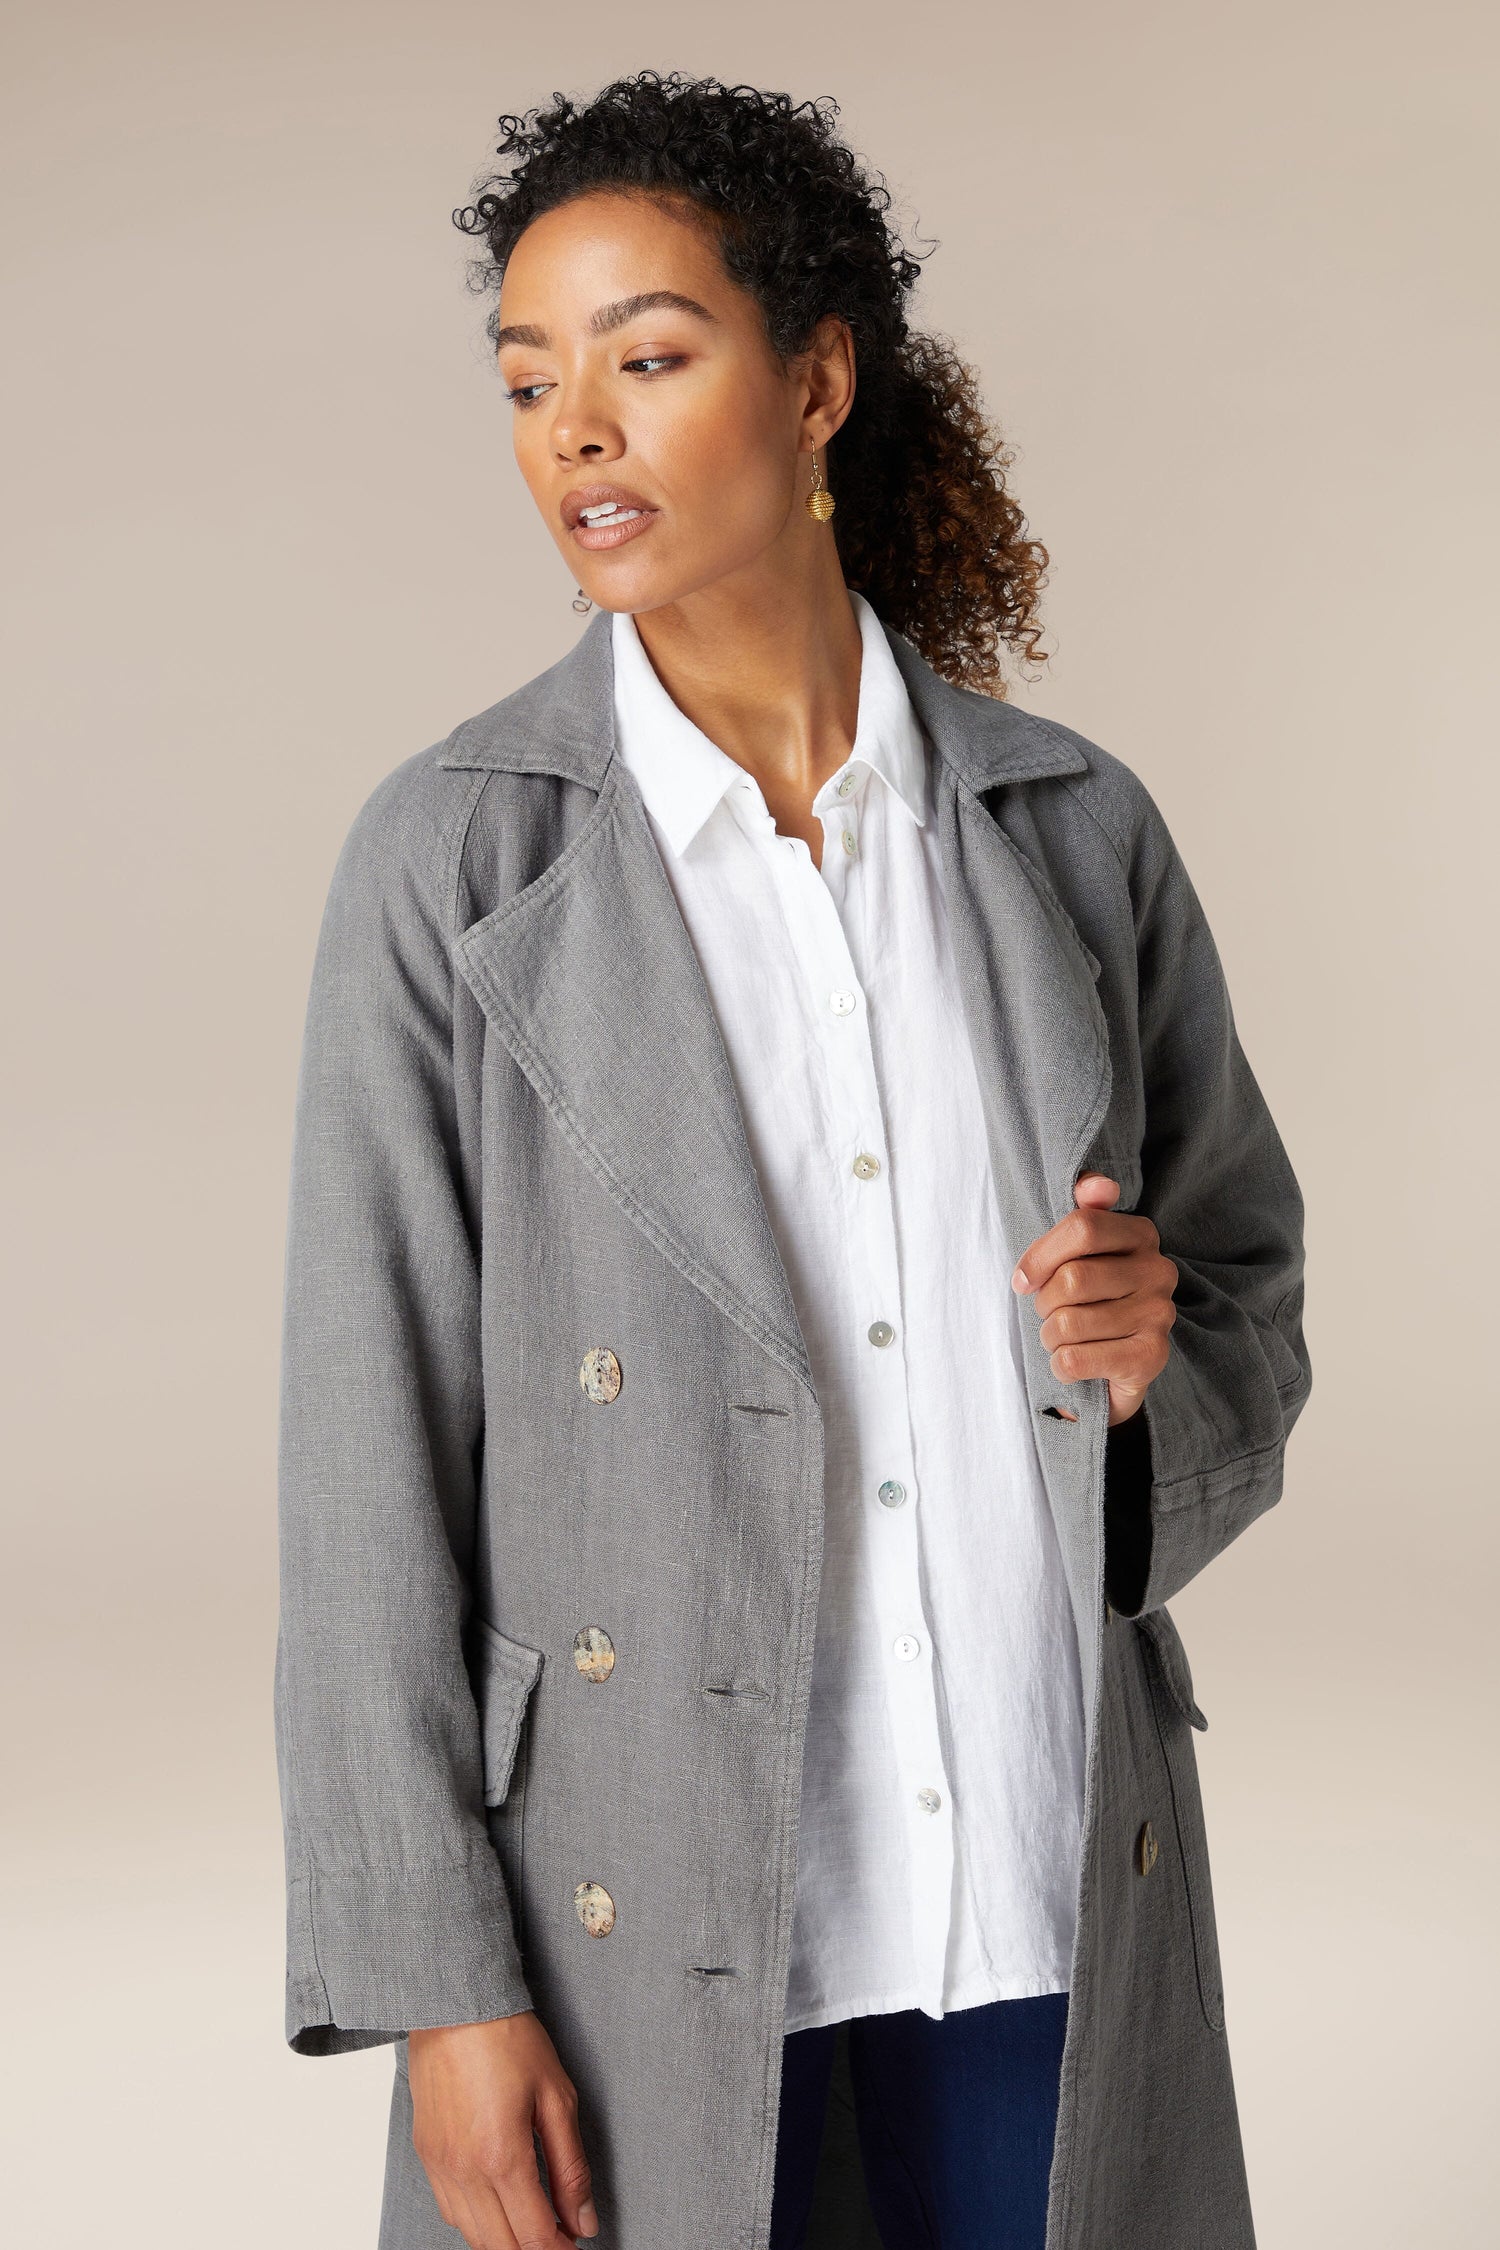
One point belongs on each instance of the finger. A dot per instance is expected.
(1124, 1403)
(1111, 1319)
(567, 2167)
(532, 2220)
(479, 2218)
(1082, 1234)
(1095, 1191)
(1133, 1362)
(1090, 1281)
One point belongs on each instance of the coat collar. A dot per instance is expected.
(563, 722)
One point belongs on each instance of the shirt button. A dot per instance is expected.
(929, 1800)
(865, 1165)
(847, 781)
(842, 1003)
(891, 1494)
(906, 1647)
(881, 1333)
(849, 844)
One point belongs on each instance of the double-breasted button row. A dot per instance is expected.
(594, 1655)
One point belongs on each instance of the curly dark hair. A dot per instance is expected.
(927, 529)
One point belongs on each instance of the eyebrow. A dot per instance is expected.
(607, 318)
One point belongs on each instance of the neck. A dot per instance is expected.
(767, 666)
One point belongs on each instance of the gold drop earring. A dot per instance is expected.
(820, 502)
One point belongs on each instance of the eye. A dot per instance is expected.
(653, 362)
(527, 394)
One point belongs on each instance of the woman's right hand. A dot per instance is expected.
(478, 2092)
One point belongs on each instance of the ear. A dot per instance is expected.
(827, 368)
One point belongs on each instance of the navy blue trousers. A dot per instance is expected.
(955, 2123)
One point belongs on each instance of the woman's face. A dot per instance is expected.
(665, 445)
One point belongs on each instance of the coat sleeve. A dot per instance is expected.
(1204, 1455)
(397, 1912)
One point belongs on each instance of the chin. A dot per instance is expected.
(637, 581)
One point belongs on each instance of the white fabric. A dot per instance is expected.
(946, 1658)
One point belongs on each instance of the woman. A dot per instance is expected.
(788, 1270)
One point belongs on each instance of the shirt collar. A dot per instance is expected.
(888, 736)
(683, 776)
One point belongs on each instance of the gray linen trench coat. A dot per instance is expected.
(516, 1141)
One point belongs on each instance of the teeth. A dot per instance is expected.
(600, 514)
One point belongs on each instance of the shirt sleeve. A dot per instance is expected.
(397, 1911)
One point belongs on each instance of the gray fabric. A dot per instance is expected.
(516, 1138)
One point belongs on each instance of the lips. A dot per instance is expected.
(602, 503)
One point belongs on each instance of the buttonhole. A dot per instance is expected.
(736, 1408)
(724, 1687)
(1055, 1412)
(697, 1971)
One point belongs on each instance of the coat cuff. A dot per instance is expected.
(1159, 1533)
(375, 1954)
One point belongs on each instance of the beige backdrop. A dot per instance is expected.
(1224, 272)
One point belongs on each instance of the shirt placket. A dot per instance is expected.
(820, 908)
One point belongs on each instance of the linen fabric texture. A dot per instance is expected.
(517, 1138)
(942, 1767)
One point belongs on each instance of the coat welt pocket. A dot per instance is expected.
(1176, 1714)
(505, 1672)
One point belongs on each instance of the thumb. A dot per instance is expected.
(1095, 1191)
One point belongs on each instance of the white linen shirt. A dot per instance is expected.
(942, 1786)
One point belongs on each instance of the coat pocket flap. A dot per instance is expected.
(1171, 1663)
(505, 1672)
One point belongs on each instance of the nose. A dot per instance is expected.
(583, 428)
(581, 433)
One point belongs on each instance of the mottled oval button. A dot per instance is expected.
(850, 845)
(891, 1494)
(596, 1909)
(881, 1333)
(593, 1652)
(847, 781)
(600, 1374)
(929, 1800)
(1145, 1850)
(865, 1165)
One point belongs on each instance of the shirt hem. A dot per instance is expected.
(975, 1993)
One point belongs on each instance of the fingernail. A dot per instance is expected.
(588, 2218)
(1019, 1282)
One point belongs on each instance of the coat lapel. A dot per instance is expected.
(589, 977)
(1041, 1051)
(1041, 1044)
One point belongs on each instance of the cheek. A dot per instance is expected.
(532, 451)
(726, 465)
